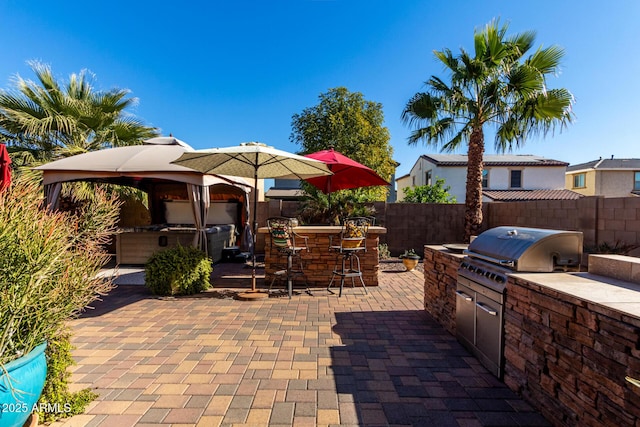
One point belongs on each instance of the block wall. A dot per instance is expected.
(413, 225)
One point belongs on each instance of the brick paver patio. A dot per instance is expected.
(313, 360)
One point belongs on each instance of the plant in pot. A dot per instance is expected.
(410, 259)
(48, 274)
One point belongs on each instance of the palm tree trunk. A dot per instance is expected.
(473, 198)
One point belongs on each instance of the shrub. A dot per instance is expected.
(48, 274)
(436, 193)
(383, 251)
(56, 392)
(49, 265)
(178, 271)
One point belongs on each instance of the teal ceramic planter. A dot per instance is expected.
(21, 385)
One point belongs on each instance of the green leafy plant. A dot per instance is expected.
(56, 392)
(315, 208)
(49, 264)
(48, 274)
(409, 254)
(178, 271)
(436, 193)
(383, 251)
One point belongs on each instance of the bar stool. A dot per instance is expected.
(351, 241)
(290, 244)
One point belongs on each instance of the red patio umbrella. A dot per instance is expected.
(5, 169)
(347, 173)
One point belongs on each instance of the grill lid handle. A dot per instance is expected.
(504, 262)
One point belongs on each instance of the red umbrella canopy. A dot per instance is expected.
(347, 173)
(5, 169)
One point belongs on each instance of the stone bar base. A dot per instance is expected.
(318, 261)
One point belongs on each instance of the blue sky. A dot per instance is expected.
(218, 73)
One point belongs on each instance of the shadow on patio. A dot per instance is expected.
(402, 368)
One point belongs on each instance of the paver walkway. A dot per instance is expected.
(210, 360)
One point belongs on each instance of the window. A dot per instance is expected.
(516, 179)
(578, 180)
(413, 181)
(427, 179)
(636, 181)
(485, 178)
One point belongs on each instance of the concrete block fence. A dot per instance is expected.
(413, 225)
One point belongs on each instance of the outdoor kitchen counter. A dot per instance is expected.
(318, 261)
(135, 245)
(595, 289)
(570, 339)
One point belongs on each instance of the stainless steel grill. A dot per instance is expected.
(482, 279)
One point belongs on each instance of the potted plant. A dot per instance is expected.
(48, 274)
(410, 259)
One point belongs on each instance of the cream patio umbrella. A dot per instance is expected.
(257, 160)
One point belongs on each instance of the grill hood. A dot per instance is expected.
(528, 249)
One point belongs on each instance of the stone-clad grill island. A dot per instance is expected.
(571, 339)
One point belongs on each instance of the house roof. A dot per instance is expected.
(526, 195)
(284, 193)
(494, 160)
(607, 164)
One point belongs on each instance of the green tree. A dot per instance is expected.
(436, 193)
(351, 125)
(51, 119)
(497, 86)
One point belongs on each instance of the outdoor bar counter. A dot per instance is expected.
(319, 261)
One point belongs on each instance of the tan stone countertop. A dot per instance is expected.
(606, 291)
(325, 229)
(442, 248)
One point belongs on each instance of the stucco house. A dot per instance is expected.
(508, 177)
(605, 177)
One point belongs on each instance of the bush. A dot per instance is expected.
(383, 251)
(48, 274)
(56, 392)
(436, 193)
(178, 271)
(49, 265)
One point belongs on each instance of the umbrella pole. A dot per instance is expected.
(254, 294)
(255, 231)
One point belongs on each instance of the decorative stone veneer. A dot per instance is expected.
(440, 277)
(319, 262)
(569, 357)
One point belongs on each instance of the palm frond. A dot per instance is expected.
(546, 61)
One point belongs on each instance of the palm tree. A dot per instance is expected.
(53, 121)
(497, 86)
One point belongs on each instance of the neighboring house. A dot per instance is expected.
(605, 177)
(508, 177)
(289, 189)
(285, 189)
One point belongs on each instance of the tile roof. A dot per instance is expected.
(494, 160)
(284, 193)
(525, 195)
(602, 164)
